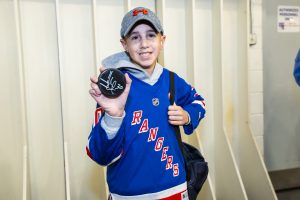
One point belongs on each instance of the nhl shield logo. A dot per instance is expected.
(155, 101)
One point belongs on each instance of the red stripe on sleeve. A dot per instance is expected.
(88, 152)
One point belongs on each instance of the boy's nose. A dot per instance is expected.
(144, 42)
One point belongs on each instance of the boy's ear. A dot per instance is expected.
(124, 43)
(162, 41)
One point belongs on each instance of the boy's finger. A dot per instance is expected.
(128, 80)
(173, 107)
(95, 88)
(173, 113)
(93, 93)
(175, 118)
(102, 68)
(175, 122)
(94, 79)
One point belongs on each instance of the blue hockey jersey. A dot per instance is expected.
(144, 159)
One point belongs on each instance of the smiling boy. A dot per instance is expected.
(133, 134)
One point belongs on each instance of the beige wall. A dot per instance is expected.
(255, 77)
(11, 131)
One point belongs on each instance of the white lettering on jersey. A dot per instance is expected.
(169, 162)
(175, 170)
(137, 115)
(164, 153)
(144, 127)
(152, 134)
(159, 144)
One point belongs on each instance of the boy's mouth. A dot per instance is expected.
(145, 54)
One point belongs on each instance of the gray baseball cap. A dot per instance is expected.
(138, 14)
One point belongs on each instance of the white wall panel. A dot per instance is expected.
(11, 132)
(229, 61)
(175, 45)
(195, 46)
(227, 185)
(109, 14)
(203, 74)
(75, 25)
(43, 100)
(235, 33)
(148, 4)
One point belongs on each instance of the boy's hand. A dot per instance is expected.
(177, 116)
(113, 107)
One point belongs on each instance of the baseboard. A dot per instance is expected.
(285, 179)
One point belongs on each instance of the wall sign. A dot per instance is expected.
(288, 19)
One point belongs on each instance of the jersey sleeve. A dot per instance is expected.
(100, 148)
(187, 97)
(297, 68)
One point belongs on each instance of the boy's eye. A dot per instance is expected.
(134, 37)
(151, 35)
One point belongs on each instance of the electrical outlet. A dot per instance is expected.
(252, 39)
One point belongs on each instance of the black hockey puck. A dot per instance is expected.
(111, 82)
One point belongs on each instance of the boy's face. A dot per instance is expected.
(143, 45)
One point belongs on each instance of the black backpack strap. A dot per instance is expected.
(177, 129)
(172, 88)
(172, 101)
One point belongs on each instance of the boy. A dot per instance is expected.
(133, 134)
